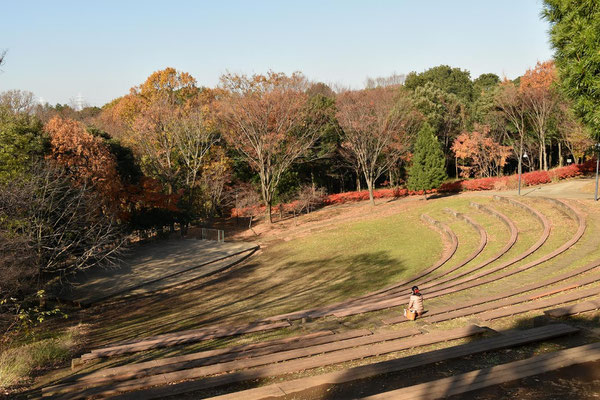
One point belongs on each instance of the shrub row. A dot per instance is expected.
(493, 183)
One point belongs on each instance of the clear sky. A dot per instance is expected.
(101, 48)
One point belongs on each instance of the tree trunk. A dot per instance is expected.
(370, 187)
(268, 212)
(456, 167)
(560, 157)
(541, 156)
(358, 187)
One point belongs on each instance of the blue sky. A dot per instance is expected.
(100, 49)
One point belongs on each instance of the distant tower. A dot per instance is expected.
(79, 102)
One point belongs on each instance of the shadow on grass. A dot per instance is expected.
(481, 362)
(240, 295)
(402, 377)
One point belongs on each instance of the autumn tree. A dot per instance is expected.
(481, 155)
(176, 86)
(571, 131)
(376, 132)
(512, 107)
(216, 175)
(541, 100)
(427, 170)
(84, 157)
(264, 118)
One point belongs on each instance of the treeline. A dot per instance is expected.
(73, 183)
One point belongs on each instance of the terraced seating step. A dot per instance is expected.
(375, 302)
(452, 285)
(191, 381)
(188, 370)
(385, 294)
(241, 350)
(482, 378)
(182, 337)
(509, 302)
(590, 305)
(512, 339)
(514, 233)
(488, 299)
(211, 357)
(538, 305)
(486, 276)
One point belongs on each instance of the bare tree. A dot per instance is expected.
(264, 119)
(393, 80)
(18, 101)
(194, 136)
(376, 130)
(308, 198)
(541, 100)
(511, 105)
(572, 133)
(54, 227)
(154, 138)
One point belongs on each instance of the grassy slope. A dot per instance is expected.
(341, 260)
(338, 262)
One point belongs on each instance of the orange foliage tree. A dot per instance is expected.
(85, 157)
(541, 100)
(264, 118)
(484, 156)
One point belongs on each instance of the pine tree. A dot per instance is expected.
(575, 37)
(427, 170)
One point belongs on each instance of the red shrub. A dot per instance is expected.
(536, 178)
(452, 187)
(479, 184)
(569, 171)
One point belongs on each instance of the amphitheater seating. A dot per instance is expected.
(328, 310)
(591, 305)
(210, 369)
(269, 365)
(512, 339)
(178, 338)
(489, 299)
(482, 378)
(482, 277)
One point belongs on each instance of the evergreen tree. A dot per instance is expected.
(575, 37)
(427, 170)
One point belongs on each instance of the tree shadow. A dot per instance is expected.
(427, 371)
(452, 368)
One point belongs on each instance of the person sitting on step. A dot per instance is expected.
(415, 304)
